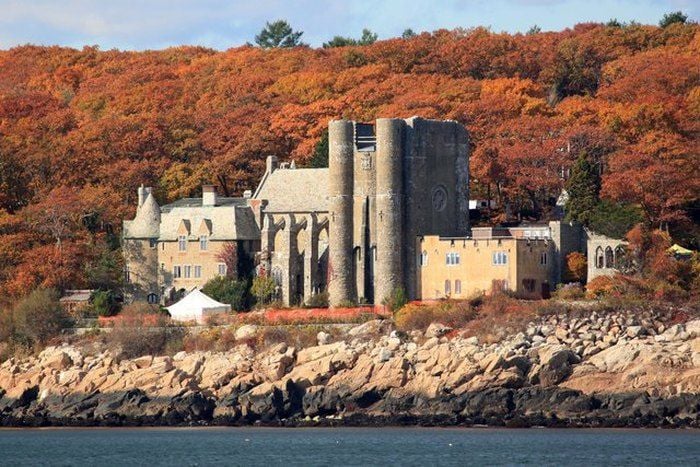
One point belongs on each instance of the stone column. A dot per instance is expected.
(389, 272)
(340, 180)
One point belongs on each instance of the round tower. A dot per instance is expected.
(340, 181)
(389, 202)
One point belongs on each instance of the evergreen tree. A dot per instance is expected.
(278, 34)
(671, 18)
(367, 38)
(319, 159)
(408, 33)
(583, 188)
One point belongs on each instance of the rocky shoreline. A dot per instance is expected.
(614, 370)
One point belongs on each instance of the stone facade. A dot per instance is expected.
(603, 254)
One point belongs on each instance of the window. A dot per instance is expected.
(458, 287)
(197, 272)
(152, 242)
(182, 243)
(203, 242)
(529, 285)
(447, 287)
(152, 298)
(423, 259)
(222, 269)
(277, 276)
(188, 272)
(500, 258)
(609, 258)
(452, 259)
(177, 272)
(599, 258)
(127, 275)
(543, 258)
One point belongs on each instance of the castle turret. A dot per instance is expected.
(140, 252)
(389, 272)
(340, 191)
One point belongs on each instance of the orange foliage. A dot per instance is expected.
(90, 126)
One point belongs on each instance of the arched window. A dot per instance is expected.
(277, 276)
(424, 258)
(599, 258)
(448, 289)
(458, 287)
(619, 256)
(609, 258)
(152, 298)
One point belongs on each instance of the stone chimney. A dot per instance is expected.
(272, 163)
(143, 192)
(208, 195)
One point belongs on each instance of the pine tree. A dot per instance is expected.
(583, 188)
(278, 34)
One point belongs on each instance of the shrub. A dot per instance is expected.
(599, 287)
(396, 300)
(214, 339)
(228, 290)
(571, 291)
(39, 317)
(264, 289)
(499, 316)
(320, 300)
(144, 330)
(455, 314)
(104, 303)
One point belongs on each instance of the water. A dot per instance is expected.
(346, 446)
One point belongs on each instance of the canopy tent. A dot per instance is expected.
(196, 306)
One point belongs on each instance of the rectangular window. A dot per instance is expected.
(447, 287)
(543, 258)
(452, 259)
(222, 269)
(203, 242)
(152, 242)
(500, 258)
(177, 272)
(197, 272)
(182, 243)
(188, 272)
(127, 275)
(529, 285)
(458, 287)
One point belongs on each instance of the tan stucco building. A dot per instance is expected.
(491, 258)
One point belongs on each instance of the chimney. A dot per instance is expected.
(142, 195)
(271, 163)
(247, 194)
(208, 195)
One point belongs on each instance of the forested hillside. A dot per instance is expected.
(81, 129)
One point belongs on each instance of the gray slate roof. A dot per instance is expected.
(294, 190)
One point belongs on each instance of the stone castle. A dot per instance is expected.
(359, 229)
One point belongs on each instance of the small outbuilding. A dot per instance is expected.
(197, 307)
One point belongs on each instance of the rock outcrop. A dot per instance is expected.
(609, 370)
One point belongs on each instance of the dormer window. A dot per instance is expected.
(203, 242)
(182, 243)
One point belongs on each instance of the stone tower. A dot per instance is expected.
(389, 183)
(140, 238)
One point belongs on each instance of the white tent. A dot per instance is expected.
(196, 306)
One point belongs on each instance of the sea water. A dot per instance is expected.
(346, 446)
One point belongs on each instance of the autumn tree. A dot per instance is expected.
(576, 267)
(278, 34)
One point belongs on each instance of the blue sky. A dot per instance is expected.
(220, 24)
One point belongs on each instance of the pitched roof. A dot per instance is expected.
(228, 222)
(294, 190)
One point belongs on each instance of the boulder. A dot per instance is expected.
(634, 331)
(245, 332)
(437, 330)
(323, 338)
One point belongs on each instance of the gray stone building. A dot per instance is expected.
(349, 229)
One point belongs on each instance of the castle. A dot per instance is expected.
(390, 212)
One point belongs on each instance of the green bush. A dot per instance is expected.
(39, 317)
(396, 300)
(104, 303)
(263, 289)
(228, 290)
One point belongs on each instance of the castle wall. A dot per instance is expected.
(141, 262)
